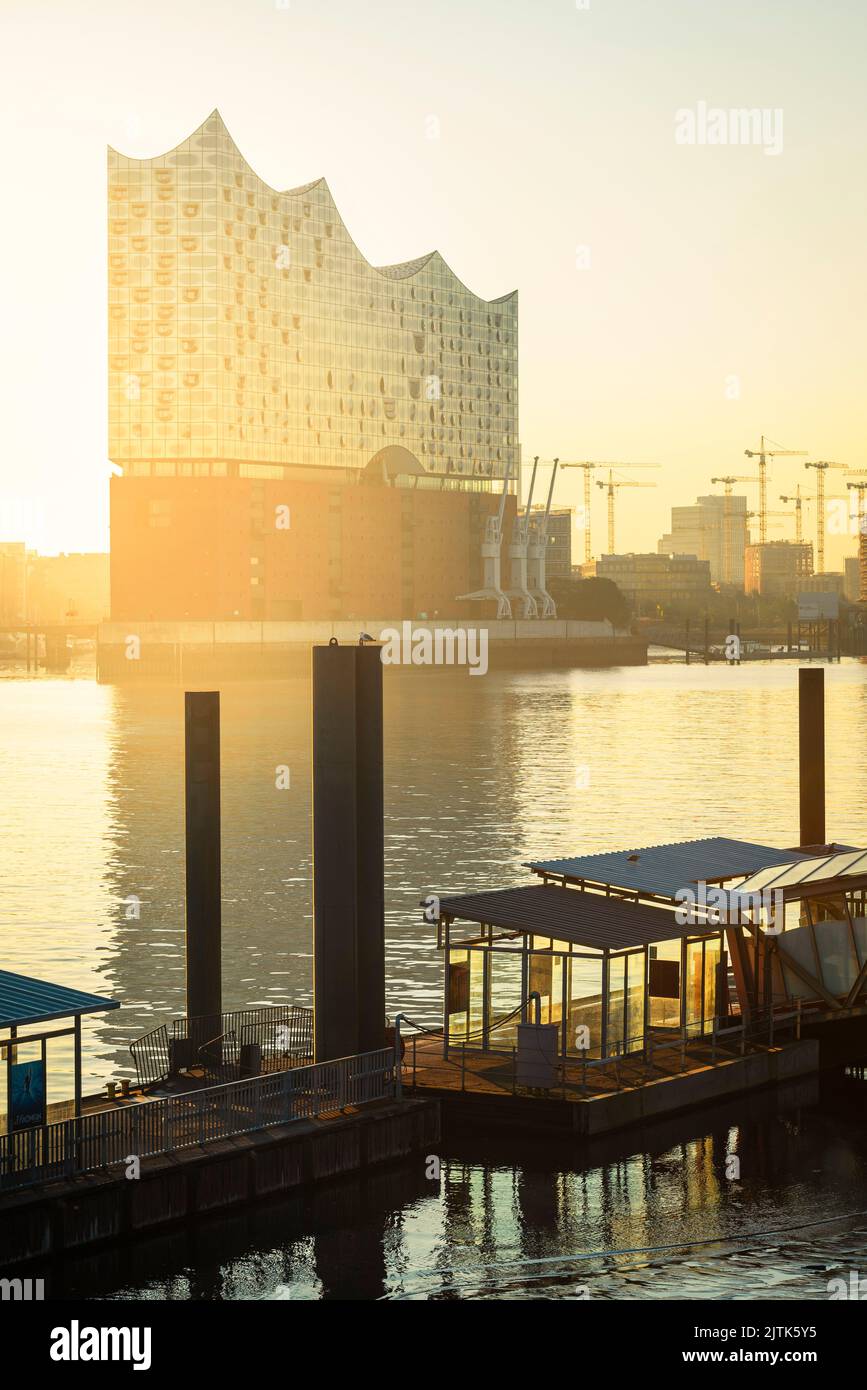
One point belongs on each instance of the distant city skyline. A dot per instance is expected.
(676, 300)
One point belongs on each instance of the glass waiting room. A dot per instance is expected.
(604, 999)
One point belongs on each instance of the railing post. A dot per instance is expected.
(584, 1071)
(463, 1063)
(683, 1049)
(713, 1041)
(398, 1069)
(414, 1036)
(771, 1027)
(798, 1021)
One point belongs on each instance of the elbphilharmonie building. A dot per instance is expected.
(261, 368)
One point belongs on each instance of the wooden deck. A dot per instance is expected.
(425, 1069)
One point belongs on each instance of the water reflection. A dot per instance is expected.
(647, 1216)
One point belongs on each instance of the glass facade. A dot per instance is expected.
(603, 1003)
(246, 326)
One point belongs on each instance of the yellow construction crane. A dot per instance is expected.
(821, 467)
(861, 487)
(749, 515)
(799, 503)
(728, 483)
(763, 453)
(588, 465)
(611, 485)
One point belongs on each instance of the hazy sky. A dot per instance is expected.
(651, 273)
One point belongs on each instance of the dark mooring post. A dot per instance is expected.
(811, 752)
(348, 901)
(202, 730)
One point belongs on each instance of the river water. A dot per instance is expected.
(482, 774)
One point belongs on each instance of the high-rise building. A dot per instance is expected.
(714, 529)
(298, 433)
(653, 581)
(852, 572)
(778, 569)
(558, 557)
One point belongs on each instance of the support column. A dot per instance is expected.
(371, 849)
(811, 752)
(204, 915)
(348, 893)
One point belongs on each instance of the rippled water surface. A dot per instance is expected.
(481, 775)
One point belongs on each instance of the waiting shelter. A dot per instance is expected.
(25, 1002)
(616, 946)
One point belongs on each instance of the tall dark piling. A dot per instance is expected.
(811, 753)
(348, 894)
(204, 919)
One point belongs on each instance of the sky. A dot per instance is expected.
(677, 300)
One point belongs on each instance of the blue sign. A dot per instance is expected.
(26, 1095)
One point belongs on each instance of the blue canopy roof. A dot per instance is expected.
(666, 869)
(25, 1000)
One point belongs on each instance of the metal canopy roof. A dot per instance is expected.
(585, 919)
(824, 869)
(25, 1000)
(666, 869)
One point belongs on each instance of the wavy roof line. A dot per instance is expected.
(401, 270)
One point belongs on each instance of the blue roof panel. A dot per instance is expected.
(666, 869)
(25, 1000)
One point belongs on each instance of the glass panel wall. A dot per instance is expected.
(635, 997)
(616, 1002)
(694, 986)
(712, 950)
(506, 984)
(664, 984)
(546, 980)
(584, 1006)
(466, 995)
(458, 995)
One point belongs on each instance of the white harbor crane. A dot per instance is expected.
(491, 546)
(537, 552)
(519, 543)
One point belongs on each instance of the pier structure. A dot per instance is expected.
(635, 983)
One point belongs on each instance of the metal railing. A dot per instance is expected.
(282, 1034)
(150, 1054)
(634, 1062)
(152, 1127)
